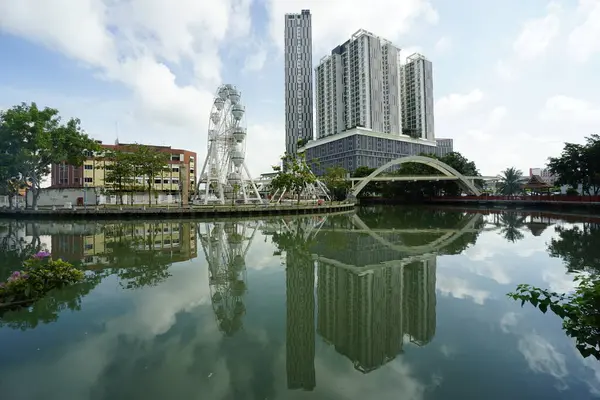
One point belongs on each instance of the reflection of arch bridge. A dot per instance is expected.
(438, 244)
(448, 173)
(386, 250)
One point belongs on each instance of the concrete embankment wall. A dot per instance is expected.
(176, 212)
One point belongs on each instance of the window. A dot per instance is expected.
(165, 180)
(157, 181)
(88, 166)
(175, 157)
(175, 169)
(88, 180)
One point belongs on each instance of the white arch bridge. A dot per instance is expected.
(448, 174)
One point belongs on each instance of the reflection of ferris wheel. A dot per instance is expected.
(224, 173)
(225, 246)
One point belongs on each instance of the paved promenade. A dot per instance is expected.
(216, 211)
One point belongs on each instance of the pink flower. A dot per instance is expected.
(42, 254)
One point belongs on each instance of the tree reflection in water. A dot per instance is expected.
(48, 309)
(578, 246)
(134, 252)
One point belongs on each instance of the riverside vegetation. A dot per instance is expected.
(40, 275)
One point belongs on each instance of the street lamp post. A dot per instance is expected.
(180, 193)
(84, 194)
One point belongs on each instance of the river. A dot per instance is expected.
(386, 303)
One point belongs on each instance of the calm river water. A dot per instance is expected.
(387, 303)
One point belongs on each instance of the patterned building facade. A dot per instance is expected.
(358, 85)
(298, 80)
(300, 321)
(180, 170)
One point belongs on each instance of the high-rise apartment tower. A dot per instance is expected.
(358, 86)
(298, 80)
(417, 97)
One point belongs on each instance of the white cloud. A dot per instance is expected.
(460, 289)
(538, 34)
(569, 109)
(256, 61)
(335, 20)
(171, 59)
(533, 41)
(443, 45)
(137, 43)
(542, 357)
(583, 40)
(509, 321)
(504, 70)
(456, 103)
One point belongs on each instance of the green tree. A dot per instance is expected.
(120, 174)
(294, 176)
(40, 139)
(462, 165)
(150, 163)
(579, 165)
(235, 188)
(372, 188)
(510, 183)
(11, 179)
(336, 182)
(579, 311)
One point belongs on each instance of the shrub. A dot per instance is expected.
(572, 192)
(40, 275)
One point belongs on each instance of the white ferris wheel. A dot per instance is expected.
(225, 175)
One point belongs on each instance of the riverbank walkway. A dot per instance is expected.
(523, 200)
(209, 211)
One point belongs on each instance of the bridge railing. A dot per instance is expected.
(552, 198)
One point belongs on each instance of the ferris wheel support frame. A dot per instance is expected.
(224, 172)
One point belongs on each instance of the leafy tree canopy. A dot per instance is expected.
(579, 310)
(511, 182)
(32, 139)
(335, 179)
(294, 176)
(579, 164)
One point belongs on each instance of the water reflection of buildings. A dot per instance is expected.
(366, 315)
(375, 291)
(95, 244)
(300, 320)
(375, 288)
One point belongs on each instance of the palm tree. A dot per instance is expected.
(510, 182)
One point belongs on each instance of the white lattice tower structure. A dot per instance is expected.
(225, 176)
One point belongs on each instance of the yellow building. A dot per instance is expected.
(180, 174)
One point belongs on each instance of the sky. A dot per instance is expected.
(513, 80)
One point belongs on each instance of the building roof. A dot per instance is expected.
(366, 132)
(536, 228)
(118, 145)
(536, 182)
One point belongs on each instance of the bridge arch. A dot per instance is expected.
(432, 162)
